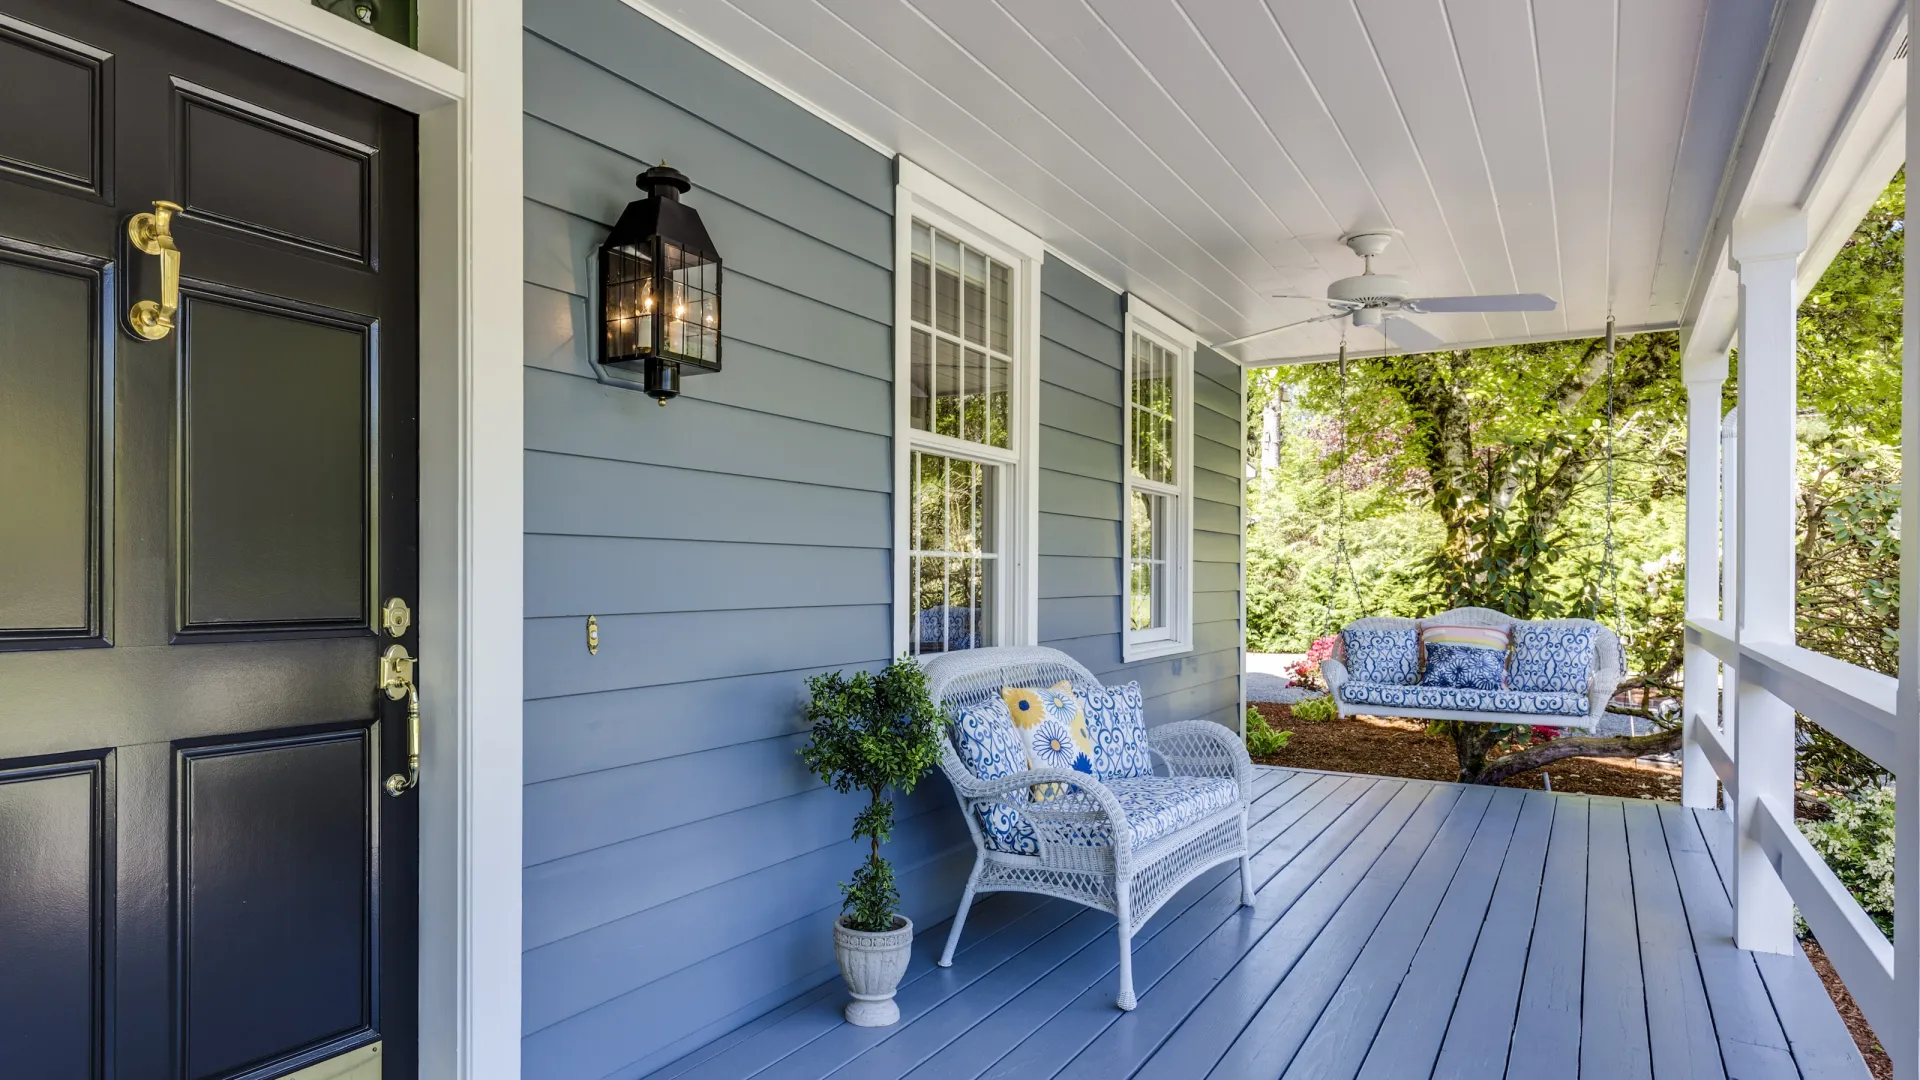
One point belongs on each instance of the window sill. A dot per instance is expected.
(1131, 651)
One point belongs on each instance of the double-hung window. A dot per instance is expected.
(1158, 446)
(966, 404)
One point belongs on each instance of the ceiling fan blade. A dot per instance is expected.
(1347, 304)
(1508, 302)
(1410, 335)
(1277, 329)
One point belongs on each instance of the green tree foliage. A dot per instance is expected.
(873, 733)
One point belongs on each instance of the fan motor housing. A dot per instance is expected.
(1369, 289)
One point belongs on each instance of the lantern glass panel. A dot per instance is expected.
(629, 301)
(693, 303)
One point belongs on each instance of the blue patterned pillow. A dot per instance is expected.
(1464, 667)
(990, 748)
(1384, 657)
(1117, 721)
(1552, 658)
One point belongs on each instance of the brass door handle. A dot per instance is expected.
(396, 681)
(152, 234)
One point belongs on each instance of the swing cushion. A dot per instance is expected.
(1464, 657)
(1388, 657)
(1465, 699)
(1552, 658)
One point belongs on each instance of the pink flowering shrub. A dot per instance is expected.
(1306, 671)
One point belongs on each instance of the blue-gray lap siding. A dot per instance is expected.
(1082, 355)
(682, 867)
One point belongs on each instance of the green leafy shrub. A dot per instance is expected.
(873, 733)
(1262, 740)
(1857, 843)
(1314, 710)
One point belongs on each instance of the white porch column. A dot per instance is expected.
(1698, 782)
(1766, 252)
(1729, 574)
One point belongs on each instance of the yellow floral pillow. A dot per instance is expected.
(1053, 729)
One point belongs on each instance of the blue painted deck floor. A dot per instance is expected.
(1404, 929)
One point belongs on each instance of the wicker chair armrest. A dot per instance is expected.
(1335, 674)
(1203, 748)
(1053, 821)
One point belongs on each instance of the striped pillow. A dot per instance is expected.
(1463, 657)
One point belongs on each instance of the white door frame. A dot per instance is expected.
(465, 85)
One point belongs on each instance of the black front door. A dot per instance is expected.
(200, 873)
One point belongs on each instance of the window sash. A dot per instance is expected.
(961, 314)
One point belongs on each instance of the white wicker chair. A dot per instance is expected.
(1127, 881)
(1609, 665)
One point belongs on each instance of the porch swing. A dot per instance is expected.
(1473, 663)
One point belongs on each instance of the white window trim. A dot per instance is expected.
(1176, 637)
(922, 195)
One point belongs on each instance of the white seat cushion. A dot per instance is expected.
(1156, 806)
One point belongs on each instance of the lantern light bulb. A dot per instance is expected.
(679, 310)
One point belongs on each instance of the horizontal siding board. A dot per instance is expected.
(570, 895)
(1212, 395)
(1066, 493)
(1216, 368)
(1068, 451)
(1216, 516)
(1078, 575)
(1216, 577)
(1216, 606)
(579, 733)
(592, 181)
(1215, 457)
(648, 650)
(616, 1033)
(1212, 426)
(558, 339)
(1205, 701)
(569, 976)
(622, 40)
(1061, 534)
(1063, 367)
(587, 575)
(1160, 677)
(1077, 290)
(1072, 411)
(1216, 546)
(596, 104)
(561, 249)
(1216, 486)
(1099, 653)
(1079, 332)
(589, 419)
(1081, 616)
(598, 497)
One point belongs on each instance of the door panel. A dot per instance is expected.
(199, 531)
(276, 506)
(50, 448)
(52, 826)
(278, 944)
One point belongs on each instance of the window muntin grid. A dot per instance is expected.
(960, 317)
(1150, 397)
(1147, 560)
(953, 553)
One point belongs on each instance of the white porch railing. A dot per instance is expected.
(1745, 678)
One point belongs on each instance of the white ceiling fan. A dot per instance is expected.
(1383, 301)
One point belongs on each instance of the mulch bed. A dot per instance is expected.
(1378, 746)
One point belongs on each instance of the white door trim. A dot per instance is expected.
(465, 84)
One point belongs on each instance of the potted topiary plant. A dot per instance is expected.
(873, 733)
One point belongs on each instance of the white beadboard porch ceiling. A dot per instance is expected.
(1207, 154)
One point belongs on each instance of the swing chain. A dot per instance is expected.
(1342, 559)
(1609, 566)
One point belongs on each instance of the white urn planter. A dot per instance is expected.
(872, 963)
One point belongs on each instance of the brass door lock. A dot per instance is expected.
(396, 681)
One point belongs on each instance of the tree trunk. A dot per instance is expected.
(1472, 742)
(1660, 742)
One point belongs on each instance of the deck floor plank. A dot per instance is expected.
(1403, 929)
(1130, 1039)
(1819, 1039)
(1546, 1031)
(1752, 1044)
(1396, 837)
(1092, 1012)
(1479, 1028)
(1679, 1020)
(1411, 996)
(1613, 1006)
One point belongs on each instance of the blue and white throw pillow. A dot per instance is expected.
(1549, 658)
(990, 747)
(1389, 657)
(1464, 657)
(1117, 723)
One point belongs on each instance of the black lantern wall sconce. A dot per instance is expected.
(660, 289)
